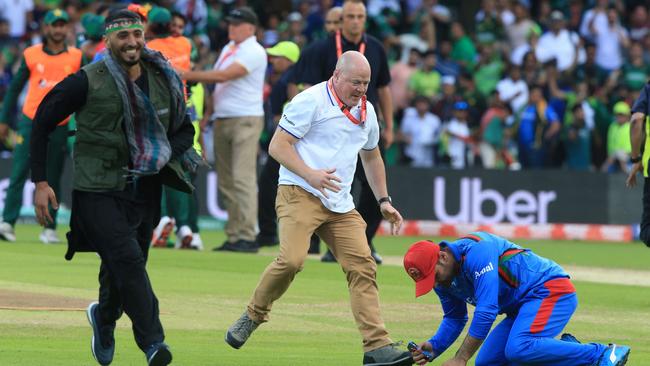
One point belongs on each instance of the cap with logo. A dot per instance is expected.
(286, 49)
(55, 15)
(242, 15)
(159, 15)
(420, 263)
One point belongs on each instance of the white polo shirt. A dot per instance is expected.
(327, 139)
(243, 96)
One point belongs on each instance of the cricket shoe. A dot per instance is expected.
(197, 243)
(102, 344)
(240, 331)
(183, 238)
(614, 355)
(162, 231)
(48, 236)
(158, 354)
(7, 232)
(388, 355)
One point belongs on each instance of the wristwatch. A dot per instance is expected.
(635, 160)
(385, 199)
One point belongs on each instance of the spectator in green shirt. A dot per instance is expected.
(463, 49)
(426, 80)
(618, 140)
(635, 72)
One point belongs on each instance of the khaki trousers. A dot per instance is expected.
(235, 150)
(299, 215)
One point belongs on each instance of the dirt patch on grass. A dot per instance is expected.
(19, 300)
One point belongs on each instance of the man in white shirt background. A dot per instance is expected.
(560, 44)
(238, 121)
(321, 134)
(420, 132)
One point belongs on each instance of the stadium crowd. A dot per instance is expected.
(525, 83)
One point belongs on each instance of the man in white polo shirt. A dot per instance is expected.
(321, 133)
(238, 113)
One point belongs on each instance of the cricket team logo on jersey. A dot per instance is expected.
(483, 271)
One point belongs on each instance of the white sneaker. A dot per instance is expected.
(197, 243)
(48, 236)
(183, 237)
(7, 232)
(162, 231)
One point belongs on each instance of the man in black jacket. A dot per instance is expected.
(132, 133)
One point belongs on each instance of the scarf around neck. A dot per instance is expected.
(149, 147)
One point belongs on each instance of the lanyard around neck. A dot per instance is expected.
(339, 47)
(231, 51)
(346, 110)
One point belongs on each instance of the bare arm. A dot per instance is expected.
(637, 136)
(637, 133)
(208, 108)
(282, 149)
(373, 165)
(234, 71)
(465, 352)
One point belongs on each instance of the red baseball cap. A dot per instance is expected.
(420, 263)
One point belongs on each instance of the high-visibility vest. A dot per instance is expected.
(176, 49)
(45, 71)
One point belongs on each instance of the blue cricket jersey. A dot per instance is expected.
(496, 276)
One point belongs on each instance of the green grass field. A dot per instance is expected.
(201, 293)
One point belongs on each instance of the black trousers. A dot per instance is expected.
(645, 216)
(120, 231)
(267, 190)
(367, 205)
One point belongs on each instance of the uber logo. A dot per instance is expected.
(522, 207)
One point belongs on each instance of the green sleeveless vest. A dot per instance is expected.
(101, 153)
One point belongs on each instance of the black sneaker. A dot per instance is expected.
(267, 241)
(240, 331)
(378, 259)
(328, 257)
(240, 246)
(225, 243)
(102, 351)
(158, 354)
(388, 355)
(314, 245)
(568, 337)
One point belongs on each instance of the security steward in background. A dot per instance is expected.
(640, 155)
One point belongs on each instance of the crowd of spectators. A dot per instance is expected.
(499, 84)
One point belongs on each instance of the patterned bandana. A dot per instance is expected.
(121, 24)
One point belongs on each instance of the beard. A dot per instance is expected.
(127, 56)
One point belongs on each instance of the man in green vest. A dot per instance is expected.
(640, 135)
(133, 135)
